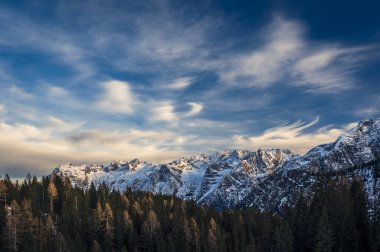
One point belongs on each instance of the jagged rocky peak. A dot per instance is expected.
(123, 165)
(78, 174)
(87, 168)
(134, 163)
(117, 166)
(245, 154)
(365, 133)
(369, 125)
(274, 153)
(272, 159)
(358, 146)
(113, 166)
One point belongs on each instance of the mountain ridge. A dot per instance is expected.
(237, 178)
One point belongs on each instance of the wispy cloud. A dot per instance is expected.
(196, 108)
(117, 98)
(180, 83)
(163, 111)
(60, 126)
(173, 47)
(18, 92)
(5, 76)
(368, 111)
(329, 70)
(369, 108)
(291, 136)
(2, 109)
(265, 65)
(43, 38)
(289, 57)
(157, 40)
(57, 91)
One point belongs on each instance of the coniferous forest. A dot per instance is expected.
(50, 215)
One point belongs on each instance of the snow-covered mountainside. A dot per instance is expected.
(265, 179)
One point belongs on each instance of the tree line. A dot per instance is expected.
(51, 215)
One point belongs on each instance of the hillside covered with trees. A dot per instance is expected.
(51, 215)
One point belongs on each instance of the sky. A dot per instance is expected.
(96, 81)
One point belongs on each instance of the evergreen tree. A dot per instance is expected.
(13, 226)
(212, 235)
(284, 238)
(360, 211)
(53, 194)
(324, 240)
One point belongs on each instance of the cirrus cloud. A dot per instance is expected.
(195, 109)
(163, 111)
(179, 84)
(288, 56)
(292, 136)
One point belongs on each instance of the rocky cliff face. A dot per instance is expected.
(265, 179)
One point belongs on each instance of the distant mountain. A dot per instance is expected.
(265, 179)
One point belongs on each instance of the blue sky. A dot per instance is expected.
(96, 81)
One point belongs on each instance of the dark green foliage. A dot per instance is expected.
(335, 218)
(284, 238)
(33, 218)
(324, 239)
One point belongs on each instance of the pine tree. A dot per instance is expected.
(3, 192)
(284, 238)
(192, 234)
(128, 230)
(376, 229)
(105, 225)
(324, 238)
(13, 226)
(153, 223)
(27, 226)
(360, 211)
(3, 203)
(95, 246)
(109, 223)
(300, 223)
(212, 235)
(53, 194)
(92, 196)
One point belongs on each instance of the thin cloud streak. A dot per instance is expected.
(196, 108)
(179, 84)
(292, 137)
(39, 37)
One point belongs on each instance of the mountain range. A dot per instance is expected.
(266, 179)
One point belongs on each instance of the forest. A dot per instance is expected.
(50, 215)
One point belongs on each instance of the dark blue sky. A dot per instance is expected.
(102, 80)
